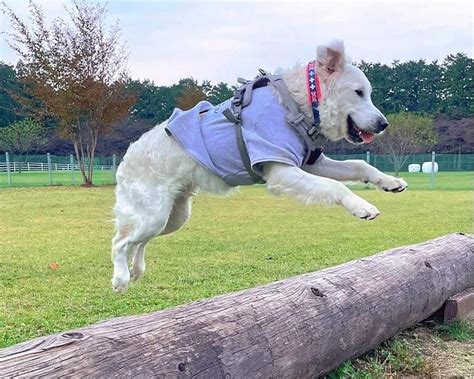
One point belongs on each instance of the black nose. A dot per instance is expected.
(381, 126)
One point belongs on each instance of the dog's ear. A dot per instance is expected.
(331, 59)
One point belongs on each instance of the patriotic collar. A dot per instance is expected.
(314, 90)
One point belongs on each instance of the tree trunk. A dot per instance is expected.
(80, 156)
(300, 327)
(80, 161)
(91, 154)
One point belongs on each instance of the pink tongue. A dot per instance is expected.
(367, 137)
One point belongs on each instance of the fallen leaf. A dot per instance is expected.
(53, 266)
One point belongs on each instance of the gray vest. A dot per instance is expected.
(206, 134)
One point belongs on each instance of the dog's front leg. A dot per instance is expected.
(355, 170)
(289, 180)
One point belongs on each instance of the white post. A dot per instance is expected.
(9, 176)
(459, 160)
(71, 163)
(432, 177)
(114, 166)
(367, 159)
(28, 166)
(50, 174)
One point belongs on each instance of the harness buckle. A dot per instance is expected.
(237, 101)
(231, 116)
(312, 131)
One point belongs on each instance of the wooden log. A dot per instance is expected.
(300, 327)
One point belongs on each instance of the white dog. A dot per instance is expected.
(157, 178)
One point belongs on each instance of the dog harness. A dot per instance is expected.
(233, 138)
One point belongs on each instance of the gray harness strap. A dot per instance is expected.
(308, 130)
(242, 98)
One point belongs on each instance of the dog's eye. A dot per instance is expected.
(359, 92)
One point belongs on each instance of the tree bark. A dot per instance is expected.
(91, 153)
(80, 160)
(301, 327)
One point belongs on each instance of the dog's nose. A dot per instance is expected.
(382, 125)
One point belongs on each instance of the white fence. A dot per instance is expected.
(40, 166)
(49, 168)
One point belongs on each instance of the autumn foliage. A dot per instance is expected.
(76, 69)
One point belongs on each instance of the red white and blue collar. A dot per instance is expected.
(314, 90)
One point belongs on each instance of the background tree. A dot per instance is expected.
(22, 137)
(458, 85)
(408, 133)
(217, 93)
(429, 96)
(77, 70)
(154, 103)
(191, 93)
(10, 110)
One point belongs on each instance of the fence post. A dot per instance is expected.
(367, 159)
(432, 177)
(50, 174)
(9, 176)
(459, 168)
(114, 166)
(71, 165)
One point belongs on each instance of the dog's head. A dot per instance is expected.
(346, 109)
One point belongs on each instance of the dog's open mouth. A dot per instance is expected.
(357, 135)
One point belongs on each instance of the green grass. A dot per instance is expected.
(414, 352)
(229, 244)
(392, 358)
(396, 357)
(455, 180)
(41, 178)
(462, 180)
(459, 330)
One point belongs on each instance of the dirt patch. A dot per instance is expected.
(444, 357)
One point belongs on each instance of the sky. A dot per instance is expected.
(223, 40)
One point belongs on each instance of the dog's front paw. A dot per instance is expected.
(392, 184)
(360, 208)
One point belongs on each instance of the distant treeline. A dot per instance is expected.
(418, 86)
(444, 90)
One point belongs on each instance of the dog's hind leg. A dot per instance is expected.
(120, 253)
(136, 226)
(180, 214)
(137, 268)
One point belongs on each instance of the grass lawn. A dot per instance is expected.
(229, 244)
(41, 178)
(462, 180)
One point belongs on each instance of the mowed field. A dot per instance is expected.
(41, 178)
(461, 180)
(55, 267)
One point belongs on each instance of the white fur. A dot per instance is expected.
(156, 179)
